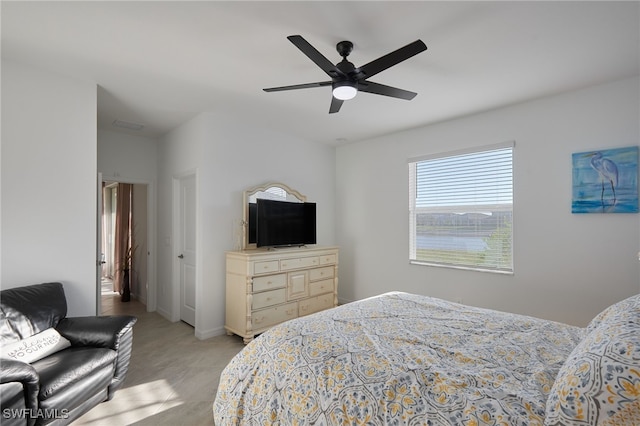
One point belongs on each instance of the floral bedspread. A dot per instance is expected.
(397, 359)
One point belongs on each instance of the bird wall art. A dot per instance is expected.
(605, 181)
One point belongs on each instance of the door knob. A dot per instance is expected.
(181, 256)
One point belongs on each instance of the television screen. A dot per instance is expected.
(284, 223)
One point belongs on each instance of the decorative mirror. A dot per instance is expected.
(270, 191)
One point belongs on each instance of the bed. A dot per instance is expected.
(406, 359)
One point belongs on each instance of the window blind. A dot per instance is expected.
(461, 209)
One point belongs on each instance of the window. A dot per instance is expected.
(461, 209)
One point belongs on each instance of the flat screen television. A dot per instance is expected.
(284, 223)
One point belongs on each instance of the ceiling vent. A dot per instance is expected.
(127, 125)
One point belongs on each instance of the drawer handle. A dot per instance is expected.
(290, 311)
(259, 320)
(303, 308)
(268, 299)
(269, 282)
(265, 267)
(284, 265)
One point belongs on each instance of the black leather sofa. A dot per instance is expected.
(62, 386)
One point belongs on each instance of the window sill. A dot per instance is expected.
(464, 268)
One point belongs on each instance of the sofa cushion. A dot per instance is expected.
(28, 310)
(599, 383)
(70, 367)
(35, 347)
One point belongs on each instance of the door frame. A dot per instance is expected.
(175, 228)
(151, 235)
(99, 207)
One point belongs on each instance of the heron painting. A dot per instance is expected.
(605, 181)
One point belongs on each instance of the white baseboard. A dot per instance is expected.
(165, 314)
(207, 334)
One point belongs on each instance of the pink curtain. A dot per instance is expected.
(123, 232)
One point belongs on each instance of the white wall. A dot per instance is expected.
(567, 267)
(131, 159)
(134, 159)
(49, 183)
(230, 155)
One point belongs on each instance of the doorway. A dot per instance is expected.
(125, 239)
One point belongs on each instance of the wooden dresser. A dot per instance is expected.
(267, 287)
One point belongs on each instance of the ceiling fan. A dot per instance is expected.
(346, 79)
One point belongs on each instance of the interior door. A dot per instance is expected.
(187, 249)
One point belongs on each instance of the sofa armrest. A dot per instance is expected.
(101, 332)
(12, 371)
(113, 332)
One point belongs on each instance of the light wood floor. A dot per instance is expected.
(173, 376)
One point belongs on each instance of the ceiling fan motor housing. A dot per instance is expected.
(348, 69)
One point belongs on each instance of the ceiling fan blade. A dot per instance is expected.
(298, 86)
(391, 59)
(335, 105)
(381, 89)
(318, 58)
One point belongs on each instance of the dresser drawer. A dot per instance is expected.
(328, 259)
(298, 262)
(319, 287)
(266, 267)
(272, 316)
(316, 304)
(269, 298)
(321, 273)
(269, 282)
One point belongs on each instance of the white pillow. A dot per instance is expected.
(35, 347)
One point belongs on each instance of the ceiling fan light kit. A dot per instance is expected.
(345, 90)
(346, 79)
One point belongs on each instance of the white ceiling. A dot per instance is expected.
(162, 63)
